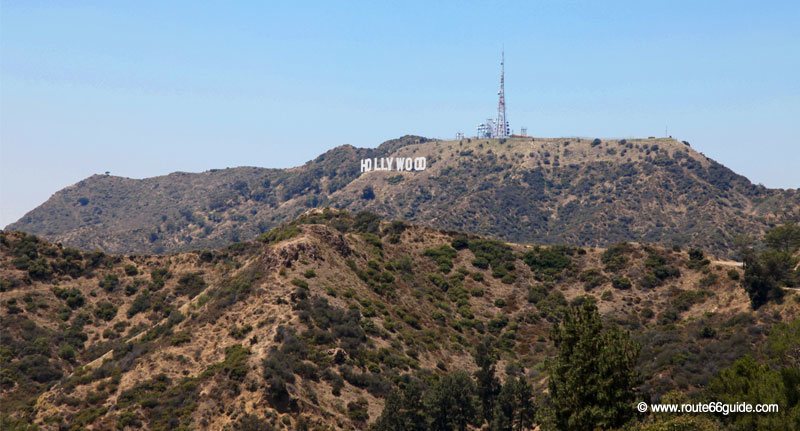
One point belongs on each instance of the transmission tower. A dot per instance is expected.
(501, 124)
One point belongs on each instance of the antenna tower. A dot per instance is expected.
(501, 125)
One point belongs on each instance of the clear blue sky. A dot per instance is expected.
(148, 88)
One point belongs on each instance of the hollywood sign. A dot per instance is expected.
(394, 164)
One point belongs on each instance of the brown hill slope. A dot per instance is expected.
(571, 191)
(300, 327)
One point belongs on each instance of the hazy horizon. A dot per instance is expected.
(146, 91)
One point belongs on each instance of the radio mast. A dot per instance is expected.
(501, 124)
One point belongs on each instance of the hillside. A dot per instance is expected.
(312, 325)
(554, 191)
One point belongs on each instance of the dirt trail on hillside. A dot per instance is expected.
(728, 263)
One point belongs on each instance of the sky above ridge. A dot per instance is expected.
(147, 88)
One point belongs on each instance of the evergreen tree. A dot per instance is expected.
(677, 421)
(451, 403)
(392, 417)
(776, 380)
(403, 410)
(763, 274)
(487, 386)
(592, 379)
(768, 271)
(785, 238)
(514, 409)
(756, 383)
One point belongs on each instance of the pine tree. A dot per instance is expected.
(768, 271)
(785, 238)
(488, 386)
(757, 383)
(392, 417)
(514, 410)
(451, 403)
(593, 377)
(762, 275)
(403, 410)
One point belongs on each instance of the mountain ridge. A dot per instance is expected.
(551, 190)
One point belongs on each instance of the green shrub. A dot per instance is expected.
(72, 296)
(708, 280)
(372, 239)
(366, 222)
(180, 338)
(550, 261)
(280, 233)
(404, 264)
(497, 323)
(649, 281)
(300, 283)
(40, 269)
(394, 230)
(110, 282)
(707, 332)
(537, 293)
(251, 422)
(443, 256)
(167, 405)
(141, 303)
(105, 310)
(620, 282)
(159, 277)
(508, 278)
(206, 256)
(659, 266)
(357, 410)
(132, 287)
(696, 254)
(190, 284)
(480, 262)
(614, 258)
(66, 352)
(685, 299)
(412, 320)
(337, 382)
(235, 364)
(498, 255)
(460, 242)
(553, 305)
(395, 179)
(592, 278)
(368, 193)
(12, 307)
(697, 259)
(239, 332)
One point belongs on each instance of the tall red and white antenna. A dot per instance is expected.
(501, 125)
